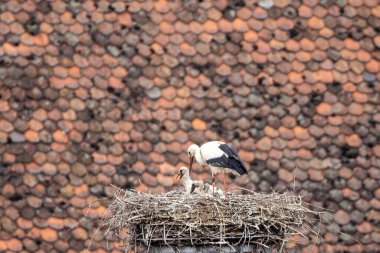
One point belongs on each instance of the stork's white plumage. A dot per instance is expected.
(208, 189)
(190, 185)
(196, 186)
(218, 156)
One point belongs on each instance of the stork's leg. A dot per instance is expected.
(225, 182)
(213, 184)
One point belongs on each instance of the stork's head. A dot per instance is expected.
(182, 172)
(191, 152)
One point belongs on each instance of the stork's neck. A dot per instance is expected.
(198, 157)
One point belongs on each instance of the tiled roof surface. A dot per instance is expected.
(101, 92)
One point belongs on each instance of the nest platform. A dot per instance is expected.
(172, 221)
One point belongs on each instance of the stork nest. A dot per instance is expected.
(174, 219)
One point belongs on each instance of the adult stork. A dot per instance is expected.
(219, 157)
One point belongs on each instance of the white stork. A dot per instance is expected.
(196, 186)
(219, 157)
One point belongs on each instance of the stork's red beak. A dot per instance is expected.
(191, 158)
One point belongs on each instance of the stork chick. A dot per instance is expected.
(190, 185)
(211, 191)
(196, 186)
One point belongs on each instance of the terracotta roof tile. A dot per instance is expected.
(315, 23)
(199, 124)
(4, 29)
(210, 27)
(13, 6)
(307, 45)
(285, 24)
(7, 17)
(373, 66)
(49, 235)
(260, 13)
(281, 3)
(240, 25)
(80, 233)
(214, 14)
(166, 27)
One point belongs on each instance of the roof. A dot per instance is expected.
(101, 92)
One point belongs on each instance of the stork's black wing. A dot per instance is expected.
(193, 186)
(230, 160)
